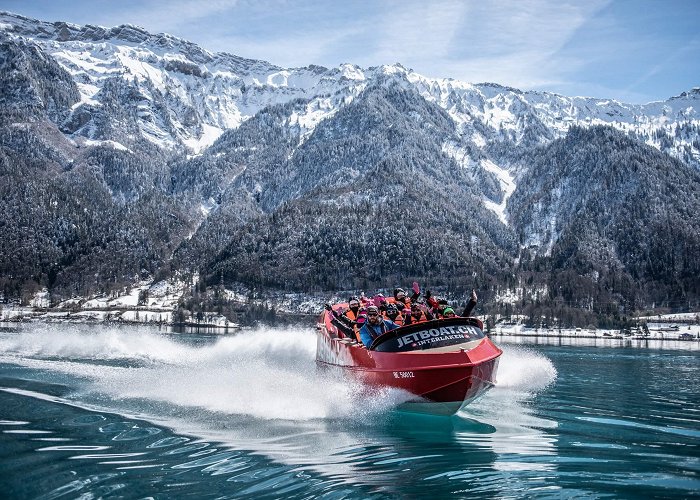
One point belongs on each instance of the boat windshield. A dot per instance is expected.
(429, 335)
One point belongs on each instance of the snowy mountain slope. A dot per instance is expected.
(187, 96)
(608, 211)
(184, 96)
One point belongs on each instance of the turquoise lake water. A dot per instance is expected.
(131, 412)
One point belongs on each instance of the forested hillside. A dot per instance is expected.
(368, 201)
(610, 225)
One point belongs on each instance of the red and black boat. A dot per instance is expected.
(446, 363)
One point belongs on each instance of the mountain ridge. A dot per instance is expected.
(187, 159)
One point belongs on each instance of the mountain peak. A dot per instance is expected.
(498, 87)
(693, 93)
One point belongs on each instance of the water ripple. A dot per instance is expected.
(187, 448)
(169, 441)
(26, 431)
(204, 462)
(78, 485)
(73, 448)
(657, 428)
(102, 456)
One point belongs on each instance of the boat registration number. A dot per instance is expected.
(404, 375)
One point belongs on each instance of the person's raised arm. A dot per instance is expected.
(470, 305)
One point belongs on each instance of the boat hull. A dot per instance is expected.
(443, 380)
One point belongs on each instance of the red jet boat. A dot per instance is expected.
(446, 363)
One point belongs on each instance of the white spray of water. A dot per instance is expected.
(266, 373)
(90, 343)
(522, 374)
(523, 369)
(269, 373)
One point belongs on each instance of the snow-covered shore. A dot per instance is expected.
(105, 311)
(145, 303)
(157, 304)
(131, 315)
(656, 331)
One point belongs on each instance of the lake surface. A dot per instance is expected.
(131, 412)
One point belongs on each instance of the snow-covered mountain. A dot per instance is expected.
(184, 95)
(201, 150)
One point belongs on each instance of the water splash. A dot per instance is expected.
(89, 343)
(268, 373)
(522, 369)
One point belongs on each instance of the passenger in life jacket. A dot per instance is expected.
(441, 308)
(355, 316)
(350, 321)
(401, 297)
(353, 309)
(419, 313)
(375, 326)
(392, 313)
(436, 306)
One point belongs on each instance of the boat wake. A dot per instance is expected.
(265, 373)
(259, 391)
(268, 373)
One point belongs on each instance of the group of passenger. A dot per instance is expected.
(368, 318)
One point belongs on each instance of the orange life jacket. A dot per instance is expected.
(356, 328)
(423, 317)
(351, 315)
(403, 304)
(399, 320)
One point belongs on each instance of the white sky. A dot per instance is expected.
(632, 50)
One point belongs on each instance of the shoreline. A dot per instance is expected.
(595, 337)
(147, 316)
(658, 329)
(137, 315)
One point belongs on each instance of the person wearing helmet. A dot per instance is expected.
(375, 326)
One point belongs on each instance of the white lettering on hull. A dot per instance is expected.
(438, 334)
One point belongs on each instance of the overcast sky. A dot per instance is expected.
(631, 50)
